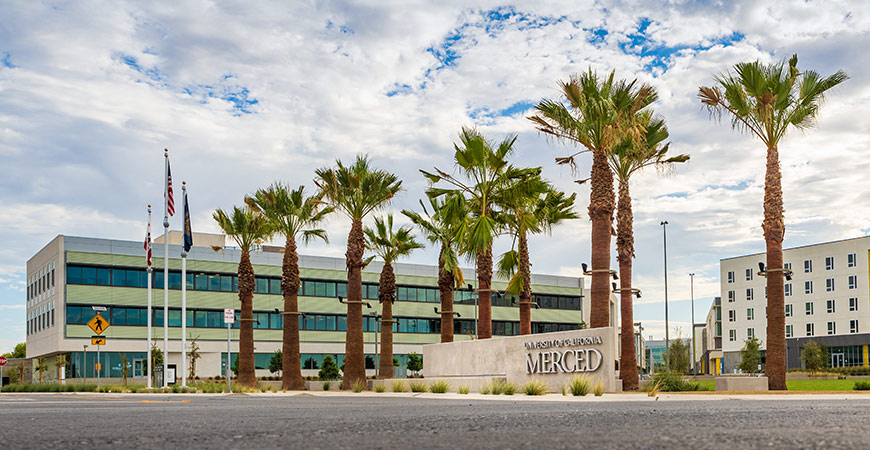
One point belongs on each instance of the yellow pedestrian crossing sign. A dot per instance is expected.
(98, 340)
(98, 324)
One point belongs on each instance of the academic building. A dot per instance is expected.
(72, 275)
(827, 300)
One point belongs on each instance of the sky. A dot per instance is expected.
(245, 93)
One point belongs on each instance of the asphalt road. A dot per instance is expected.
(89, 422)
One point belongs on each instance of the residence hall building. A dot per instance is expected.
(827, 300)
(70, 275)
(711, 361)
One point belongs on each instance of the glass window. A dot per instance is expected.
(103, 276)
(852, 259)
(732, 315)
(750, 314)
(402, 294)
(261, 286)
(309, 322)
(157, 316)
(342, 323)
(432, 295)
(750, 333)
(731, 277)
(831, 306)
(119, 316)
(226, 283)
(829, 284)
(320, 289)
(73, 315)
(810, 329)
(201, 319)
(808, 266)
(341, 289)
(853, 326)
(330, 290)
(832, 328)
(276, 321)
(853, 304)
(309, 288)
(214, 283)
(788, 310)
(275, 286)
(189, 318)
(320, 323)
(748, 274)
(829, 263)
(74, 275)
(119, 277)
(788, 289)
(853, 282)
(788, 331)
(215, 319)
(89, 275)
(330, 323)
(201, 282)
(731, 297)
(749, 294)
(174, 317)
(809, 308)
(808, 287)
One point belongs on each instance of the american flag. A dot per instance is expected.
(170, 200)
(148, 241)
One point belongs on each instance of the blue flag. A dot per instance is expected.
(188, 232)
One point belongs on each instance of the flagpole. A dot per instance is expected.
(183, 290)
(150, 274)
(166, 269)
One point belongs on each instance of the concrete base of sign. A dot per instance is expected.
(554, 358)
(453, 383)
(741, 383)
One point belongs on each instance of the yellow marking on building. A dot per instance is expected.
(866, 355)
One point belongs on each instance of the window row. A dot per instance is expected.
(41, 281)
(103, 276)
(851, 261)
(197, 318)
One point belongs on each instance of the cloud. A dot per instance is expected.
(246, 94)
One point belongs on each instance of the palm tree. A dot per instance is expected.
(294, 215)
(389, 245)
(764, 99)
(602, 112)
(488, 175)
(245, 227)
(628, 158)
(444, 226)
(533, 210)
(356, 190)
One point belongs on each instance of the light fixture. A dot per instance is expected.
(585, 267)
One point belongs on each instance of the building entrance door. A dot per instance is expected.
(837, 360)
(138, 368)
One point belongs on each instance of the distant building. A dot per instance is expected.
(827, 300)
(711, 340)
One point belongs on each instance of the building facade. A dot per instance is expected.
(711, 340)
(71, 275)
(826, 300)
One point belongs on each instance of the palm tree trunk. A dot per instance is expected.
(291, 367)
(625, 252)
(601, 212)
(247, 377)
(484, 302)
(774, 231)
(445, 290)
(354, 359)
(525, 271)
(387, 288)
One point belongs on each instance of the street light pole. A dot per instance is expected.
(692, 291)
(664, 225)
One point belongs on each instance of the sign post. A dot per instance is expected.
(99, 325)
(229, 319)
(2, 363)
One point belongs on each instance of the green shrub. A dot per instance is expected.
(563, 388)
(439, 387)
(497, 387)
(327, 385)
(598, 389)
(508, 388)
(486, 389)
(579, 385)
(328, 369)
(418, 386)
(462, 390)
(535, 387)
(399, 386)
(358, 386)
(380, 387)
(862, 385)
(672, 382)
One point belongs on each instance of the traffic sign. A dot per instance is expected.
(98, 340)
(229, 315)
(2, 361)
(98, 324)
(98, 367)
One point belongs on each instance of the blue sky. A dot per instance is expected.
(243, 94)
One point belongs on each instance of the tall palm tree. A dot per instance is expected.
(534, 210)
(293, 215)
(389, 245)
(629, 158)
(444, 226)
(356, 190)
(602, 112)
(765, 99)
(488, 175)
(245, 227)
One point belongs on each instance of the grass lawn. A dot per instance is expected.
(803, 385)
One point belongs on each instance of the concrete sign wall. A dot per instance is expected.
(551, 357)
